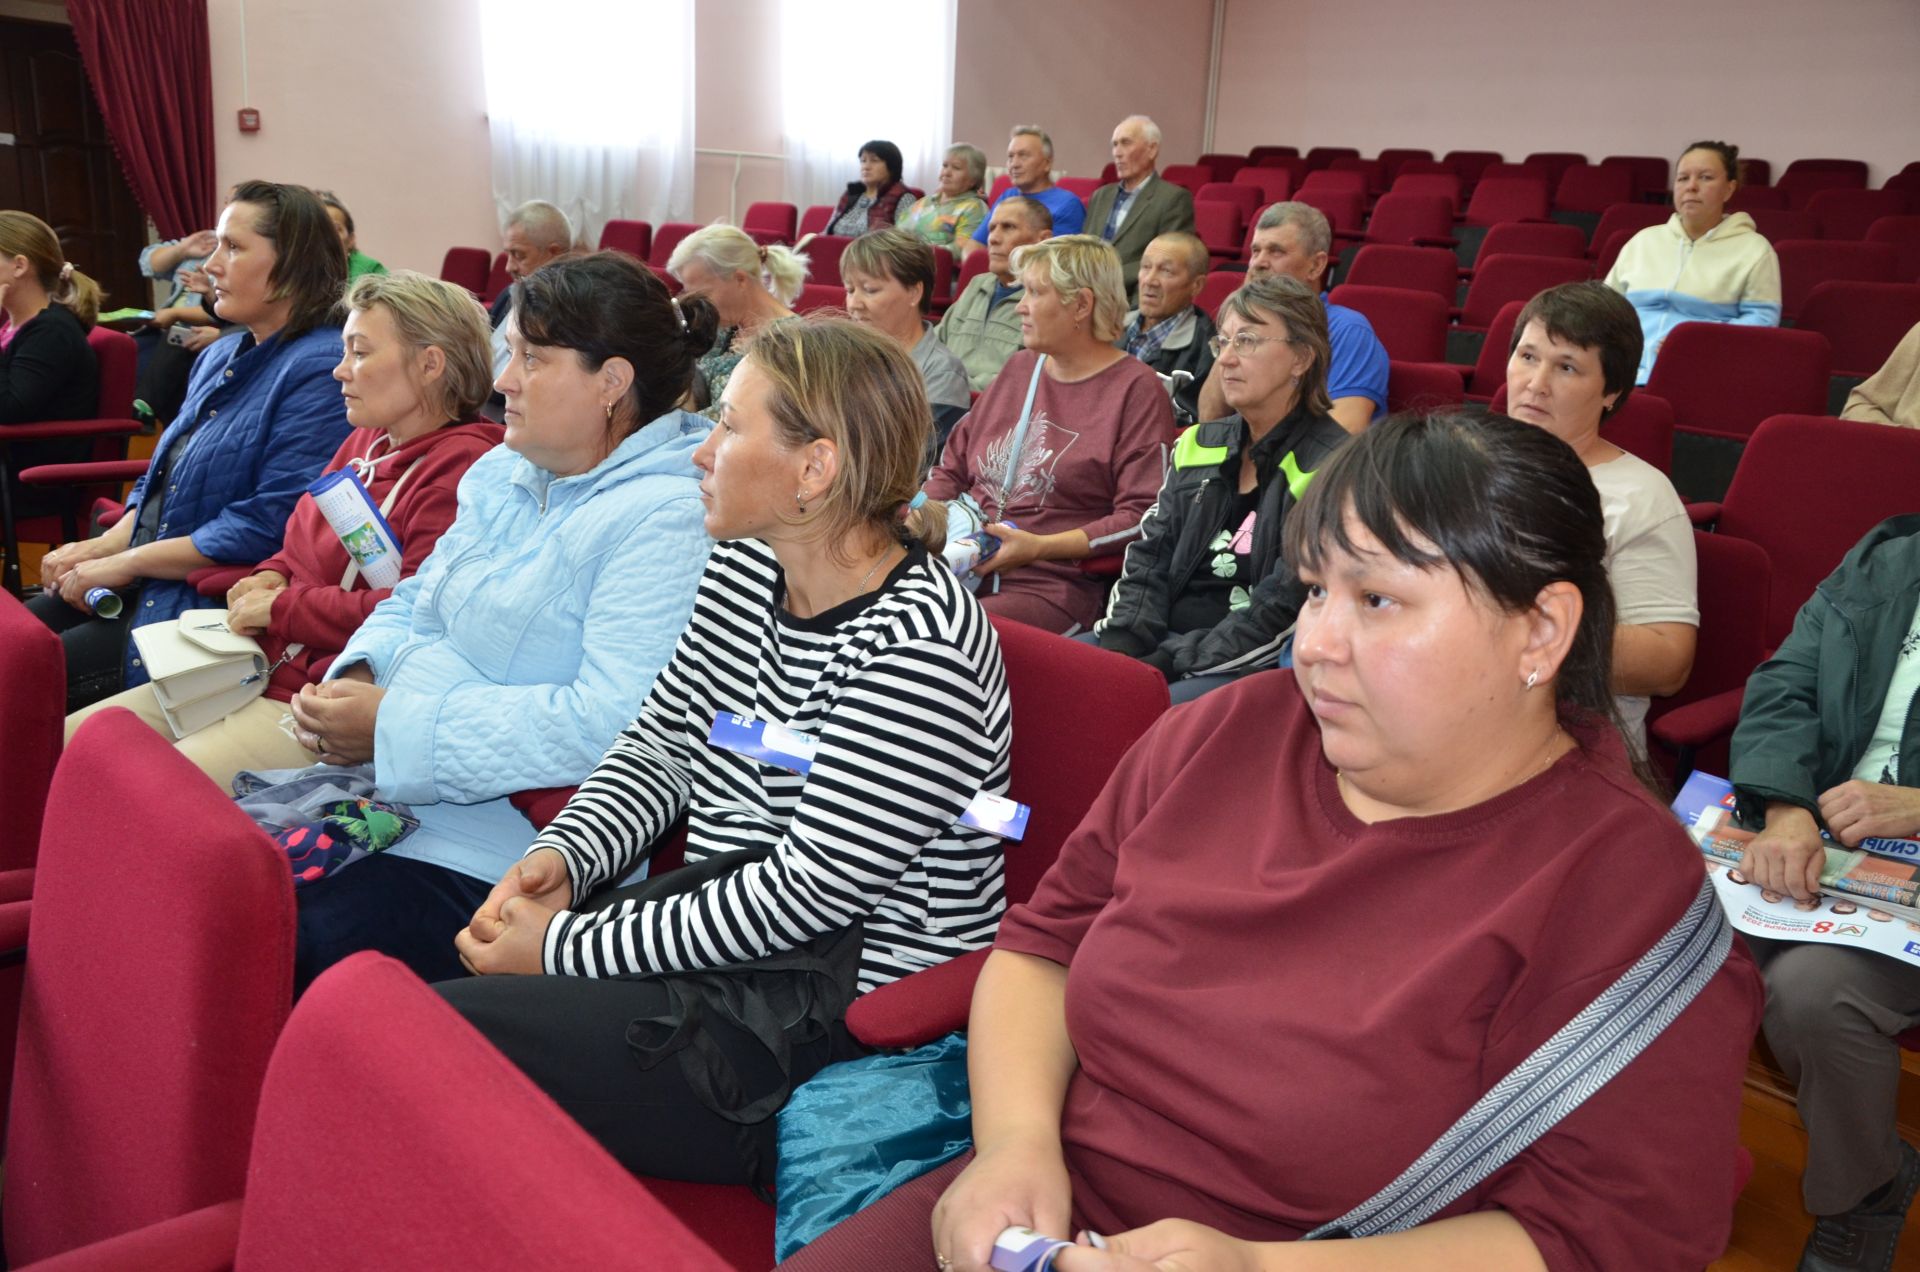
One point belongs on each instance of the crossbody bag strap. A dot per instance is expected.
(1582, 1057)
(386, 506)
(1019, 439)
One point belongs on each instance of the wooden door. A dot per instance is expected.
(57, 162)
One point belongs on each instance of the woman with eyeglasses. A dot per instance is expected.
(1205, 596)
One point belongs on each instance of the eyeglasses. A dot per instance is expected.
(1244, 344)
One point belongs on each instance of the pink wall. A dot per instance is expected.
(382, 103)
(1780, 78)
(736, 103)
(1077, 69)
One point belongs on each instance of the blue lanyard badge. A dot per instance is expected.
(781, 747)
(773, 744)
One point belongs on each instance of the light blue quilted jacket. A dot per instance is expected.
(530, 637)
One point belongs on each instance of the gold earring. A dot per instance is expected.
(800, 500)
(609, 412)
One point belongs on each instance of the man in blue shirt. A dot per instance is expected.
(1295, 239)
(1030, 167)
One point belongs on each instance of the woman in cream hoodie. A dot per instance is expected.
(1702, 265)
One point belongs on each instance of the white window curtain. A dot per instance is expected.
(590, 106)
(824, 119)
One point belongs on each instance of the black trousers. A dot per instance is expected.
(569, 1034)
(96, 649)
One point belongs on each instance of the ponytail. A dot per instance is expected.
(79, 294)
(784, 271)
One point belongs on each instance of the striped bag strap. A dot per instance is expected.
(1549, 1084)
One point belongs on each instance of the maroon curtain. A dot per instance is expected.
(152, 72)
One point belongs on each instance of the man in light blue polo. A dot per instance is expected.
(1030, 167)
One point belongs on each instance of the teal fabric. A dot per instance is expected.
(856, 1131)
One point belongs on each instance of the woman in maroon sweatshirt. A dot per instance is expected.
(415, 363)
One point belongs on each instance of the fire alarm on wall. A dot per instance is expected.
(249, 119)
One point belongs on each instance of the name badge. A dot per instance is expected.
(780, 747)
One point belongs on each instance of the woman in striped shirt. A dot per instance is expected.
(816, 614)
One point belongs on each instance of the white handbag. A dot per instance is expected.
(201, 671)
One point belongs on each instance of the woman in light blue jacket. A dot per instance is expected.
(530, 637)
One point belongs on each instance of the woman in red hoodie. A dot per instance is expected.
(415, 364)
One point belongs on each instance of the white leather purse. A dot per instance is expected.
(201, 670)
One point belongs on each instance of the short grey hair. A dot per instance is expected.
(976, 161)
(1036, 214)
(1034, 130)
(1189, 245)
(544, 223)
(1311, 223)
(1148, 129)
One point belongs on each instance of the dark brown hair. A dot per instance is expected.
(309, 261)
(1591, 315)
(1728, 152)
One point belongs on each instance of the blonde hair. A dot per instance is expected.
(728, 251)
(1075, 263)
(429, 313)
(856, 387)
(23, 234)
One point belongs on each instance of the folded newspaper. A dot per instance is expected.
(1870, 896)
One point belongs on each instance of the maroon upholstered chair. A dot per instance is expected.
(1630, 217)
(159, 976)
(1427, 269)
(1447, 185)
(1591, 188)
(1190, 175)
(1534, 238)
(1903, 233)
(1423, 386)
(820, 296)
(635, 238)
(1411, 325)
(666, 237)
(1849, 214)
(466, 267)
(1220, 226)
(498, 280)
(1722, 380)
(1862, 321)
(780, 219)
(1414, 220)
(1804, 264)
(1243, 196)
(1734, 591)
(1272, 184)
(383, 1142)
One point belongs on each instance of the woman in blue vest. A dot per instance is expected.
(261, 419)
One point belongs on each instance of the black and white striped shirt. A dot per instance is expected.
(904, 691)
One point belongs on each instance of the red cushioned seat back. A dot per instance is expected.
(1222, 166)
(1849, 214)
(466, 267)
(635, 238)
(1469, 164)
(1534, 238)
(1422, 386)
(1428, 269)
(1406, 218)
(1804, 264)
(1648, 174)
(1339, 179)
(1755, 172)
(816, 218)
(1411, 325)
(1734, 593)
(1393, 159)
(498, 280)
(667, 237)
(1590, 187)
(1244, 197)
(33, 704)
(1082, 188)
(159, 976)
(819, 296)
(1372, 171)
(1342, 208)
(1755, 199)
(1220, 227)
(1076, 711)
(1501, 280)
(1628, 217)
(1723, 379)
(1213, 293)
(823, 254)
(1805, 178)
(1807, 489)
(1271, 184)
(1903, 234)
(1263, 154)
(1490, 368)
(1863, 321)
(781, 219)
(1444, 185)
(1498, 199)
(392, 1135)
(1554, 163)
(1190, 175)
(1320, 157)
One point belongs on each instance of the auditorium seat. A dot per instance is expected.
(159, 974)
(1190, 175)
(1498, 199)
(779, 219)
(1411, 325)
(1555, 163)
(1806, 263)
(1081, 188)
(1903, 234)
(1755, 172)
(819, 296)
(1335, 179)
(1648, 174)
(1422, 386)
(1394, 158)
(1734, 590)
(1801, 184)
(33, 703)
(1758, 198)
(1499, 281)
(823, 254)
(1610, 252)
(1863, 322)
(1342, 208)
(1469, 164)
(1221, 227)
(1534, 238)
(1272, 184)
(498, 280)
(1488, 374)
(1220, 284)
(1260, 154)
(1445, 185)
(665, 239)
(1222, 166)
(1585, 190)
(1848, 214)
(635, 238)
(1109, 173)
(1423, 220)
(466, 267)
(1246, 197)
(1631, 217)
(816, 218)
(1722, 379)
(1321, 157)
(391, 1135)
(972, 265)
(1428, 269)
(1777, 225)
(1372, 171)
